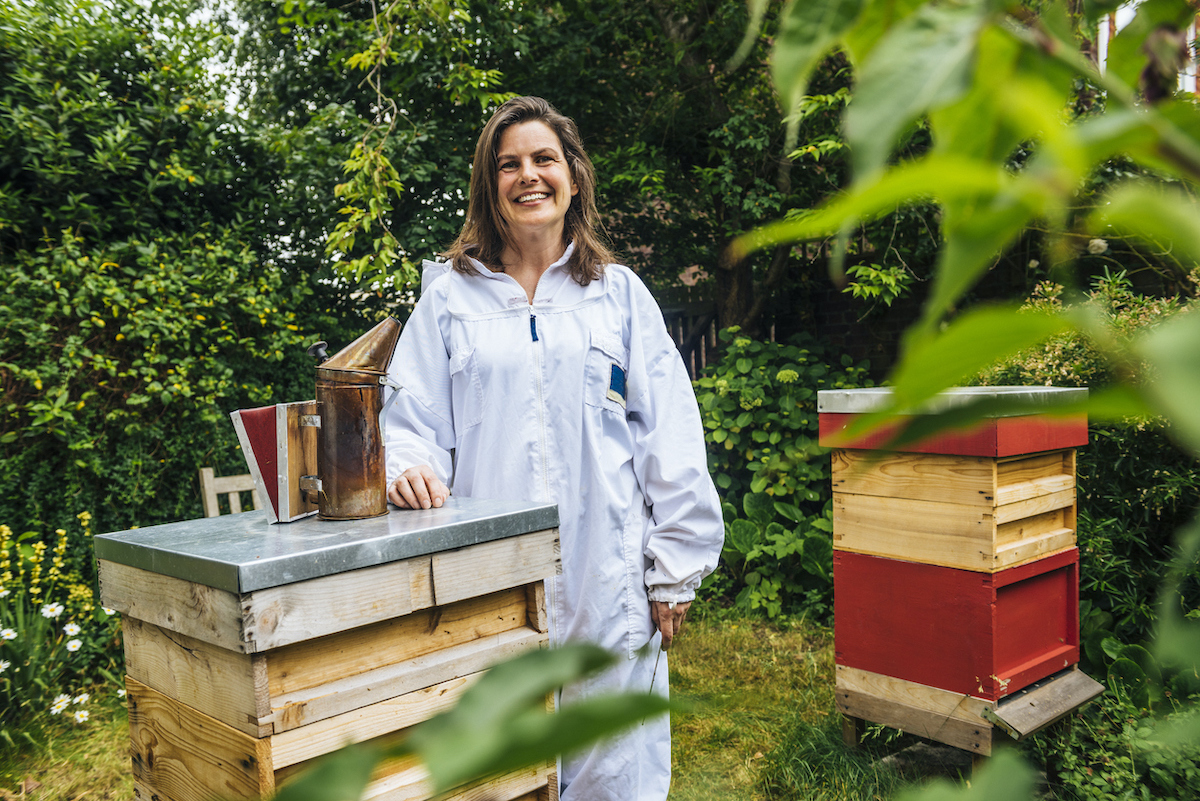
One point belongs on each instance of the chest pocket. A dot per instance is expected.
(607, 378)
(466, 390)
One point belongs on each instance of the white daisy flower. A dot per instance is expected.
(60, 703)
(74, 645)
(8, 634)
(121, 693)
(81, 715)
(4, 664)
(109, 612)
(3, 592)
(71, 629)
(82, 698)
(52, 610)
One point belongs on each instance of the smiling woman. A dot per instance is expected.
(546, 370)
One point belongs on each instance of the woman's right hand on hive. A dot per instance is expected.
(418, 488)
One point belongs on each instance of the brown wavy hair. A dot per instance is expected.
(484, 234)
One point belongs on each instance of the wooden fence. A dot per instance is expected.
(693, 326)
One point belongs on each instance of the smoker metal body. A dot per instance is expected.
(351, 480)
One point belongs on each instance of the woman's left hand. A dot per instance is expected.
(668, 618)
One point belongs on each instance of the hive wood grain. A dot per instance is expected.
(492, 566)
(196, 610)
(189, 756)
(950, 718)
(366, 723)
(337, 699)
(230, 686)
(967, 512)
(346, 653)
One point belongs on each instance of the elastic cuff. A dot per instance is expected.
(666, 595)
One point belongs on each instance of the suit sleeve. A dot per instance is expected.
(687, 530)
(420, 422)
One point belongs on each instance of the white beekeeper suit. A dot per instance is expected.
(579, 399)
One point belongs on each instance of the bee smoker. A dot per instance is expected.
(351, 480)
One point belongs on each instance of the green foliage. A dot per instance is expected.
(1136, 487)
(121, 363)
(136, 217)
(1117, 747)
(55, 642)
(996, 87)
(372, 183)
(878, 284)
(758, 406)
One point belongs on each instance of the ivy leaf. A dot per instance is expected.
(1173, 351)
(969, 344)
(925, 63)
(807, 30)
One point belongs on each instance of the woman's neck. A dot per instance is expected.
(527, 262)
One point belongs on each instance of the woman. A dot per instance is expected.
(548, 372)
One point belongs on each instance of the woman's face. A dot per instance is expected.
(535, 185)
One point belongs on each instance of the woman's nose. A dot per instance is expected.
(527, 173)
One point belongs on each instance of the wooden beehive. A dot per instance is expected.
(231, 693)
(955, 572)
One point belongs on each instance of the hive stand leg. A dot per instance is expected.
(852, 730)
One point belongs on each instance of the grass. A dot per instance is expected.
(762, 725)
(748, 681)
(76, 762)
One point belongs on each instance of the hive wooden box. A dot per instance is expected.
(970, 633)
(955, 571)
(253, 649)
(983, 513)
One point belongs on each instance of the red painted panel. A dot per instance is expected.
(922, 623)
(1032, 619)
(1001, 436)
(1033, 433)
(980, 634)
(260, 430)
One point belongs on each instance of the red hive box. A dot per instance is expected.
(979, 634)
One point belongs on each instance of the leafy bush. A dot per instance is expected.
(142, 303)
(120, 364)
(1136, 488)
(1120, 746)
(759, 407)
(56, 644)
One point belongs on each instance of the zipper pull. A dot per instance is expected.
(533, 327)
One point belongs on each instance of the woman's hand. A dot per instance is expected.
(418, 488)
(668, 617)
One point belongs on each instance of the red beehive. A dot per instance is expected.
(956, 580)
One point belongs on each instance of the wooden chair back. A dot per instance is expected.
(213, 486)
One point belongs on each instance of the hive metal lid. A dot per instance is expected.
(873, 399)
(243, 552)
